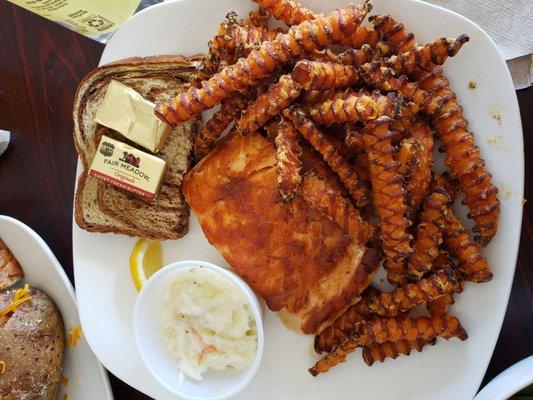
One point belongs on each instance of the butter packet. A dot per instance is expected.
(130, 114)
(128, 168)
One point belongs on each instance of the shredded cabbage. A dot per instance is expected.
(207, 323)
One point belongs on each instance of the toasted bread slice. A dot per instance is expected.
(102, 207)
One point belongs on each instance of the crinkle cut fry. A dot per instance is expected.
(287, 11)
(419, 179)
(457, 240)
(363, 55)
(462, 156)
(292, 13)
(389, 197)
(425, 57)
(428, 235)
(381, 351)
(278, 97)
(404, 298)
(382, 78)
(308, 36)
(338, 209)
(360, 107)
(380, 330)
(324, 75)
(288, 153)
(346, 325)
(229, 110)
(333, 158)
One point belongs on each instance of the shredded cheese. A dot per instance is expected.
(21, 296)
(74, 336)
(2, 367)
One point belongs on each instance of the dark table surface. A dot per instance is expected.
(41, 64)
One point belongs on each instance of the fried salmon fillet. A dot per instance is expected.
(293, 255)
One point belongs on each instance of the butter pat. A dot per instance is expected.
(127, 167)
(127, 112)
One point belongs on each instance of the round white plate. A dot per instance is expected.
(450, 370)
(87, 379)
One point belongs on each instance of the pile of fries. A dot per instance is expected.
(371, 101)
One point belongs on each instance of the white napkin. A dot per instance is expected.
(4, 140)
(510, 24)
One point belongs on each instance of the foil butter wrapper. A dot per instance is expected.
(127, 112)
(128, 168)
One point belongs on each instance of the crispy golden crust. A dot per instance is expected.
(278, 97)
(260, 63)
(428, 235)
(358, 57)
(381, 330)
(441, 305)
(229, 110)
(337, 208)
(389, 197)
(287, 11)
(463, 158)
(359, 107)
(324, 75)
(382, 78)
(425, 57)
(288, 153)
(381, 351)
(360, 37)
(346, 325)
(333, 158)
(457, 240)
(404, 298)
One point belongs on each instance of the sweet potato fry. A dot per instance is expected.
(229, 110)
(389, 197)
(337, 208)
(360, 107)
(381, 351)
(428, 235)
(382, 78)
(287, 11)
(462, 156)
(346, 325)
(381, 330)
(333, 158)
(260, 63)
(404, 298)
(288, 154)
(324, 75)
(425, 57)
(267, 105)
(419, 179)
(457, 240)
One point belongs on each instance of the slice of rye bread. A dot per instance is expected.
(101, 207)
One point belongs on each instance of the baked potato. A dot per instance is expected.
(32, 341)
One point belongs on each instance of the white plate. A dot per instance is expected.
(450, 370)
(87, 379)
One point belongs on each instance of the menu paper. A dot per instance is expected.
(127, 112)
(92, 18)
(127, 167)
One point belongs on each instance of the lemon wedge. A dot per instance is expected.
(145, 260)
